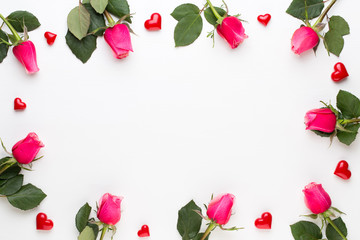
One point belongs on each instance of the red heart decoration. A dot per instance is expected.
(43, 223)
(144, 231)
(340, 72)
(50, 37)
(342, 170)
(154, 23)
(19, 104)
(264, 19)
(264, 222)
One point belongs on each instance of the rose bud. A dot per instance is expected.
(316, 199)
(303, 39)
(26, 150)
(232, 30)
(26, 54)
(109, 209)
(322, 119)
(118, 38)
(219, 209)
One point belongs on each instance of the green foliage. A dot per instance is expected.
(188, 30)
(97, 21)
(12, 185)
(332, 234)
(78, 21)
(87, 234)
(189, 222)
(119, 8)
(210, 17)
(348, 104)
(334, 42)
(82, 217)
(28, 197)
(338, 24)
(83, 48)
(300, 8)
(99, 5)
(10, 172)
(305, 230)
(348, 137)
(4, 48)
(184, 10)
(20, 18)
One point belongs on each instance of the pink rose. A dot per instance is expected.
(118, 38)
(26, 54)
(219, 209)
(26, 150)
(303, 39)
(109, 209)
(316, 199)
(232, 30)
(322, 119)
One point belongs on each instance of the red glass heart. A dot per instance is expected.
(19, 104)
(342, 170)
(264, 222)
(50, 37)
(264, 19)
(144, 231)
(43, 223)
(340, 72)
(154, 23)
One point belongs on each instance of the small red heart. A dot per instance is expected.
(50, 37)
(264, 222)
(154, 23)
(43, 223)
(264, 19)
(342, 170)
(144, 231)
(19, 104)
(340, 72)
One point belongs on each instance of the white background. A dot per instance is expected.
(167, 125)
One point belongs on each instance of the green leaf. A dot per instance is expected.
(2, 181)
(189, 222)
(348, 137)
(87, 234)
(85, 1)
(305, 230)
(298, 8)
(4, 48)
(4, 159)
(97, 21)
(12, 39)
(188, 30)
(94, 227)
(83, 48)
(322, 134)
(348, 104)
(339, 24)
(210, 17)
(78, 21)
(184, 10)
(28, 197)
(20, 18)
(10, 172)
(119, 8)
(334, 42)
(331, 233)
(82, 217)
(12, 185)
(99, 5)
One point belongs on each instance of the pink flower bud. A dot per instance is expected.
(26, 54)
(303, 39)
(232, 30)
(219, 209)
(316, 199)
(322, 119)
(118, 38)
(109, 209)
(26, 150)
